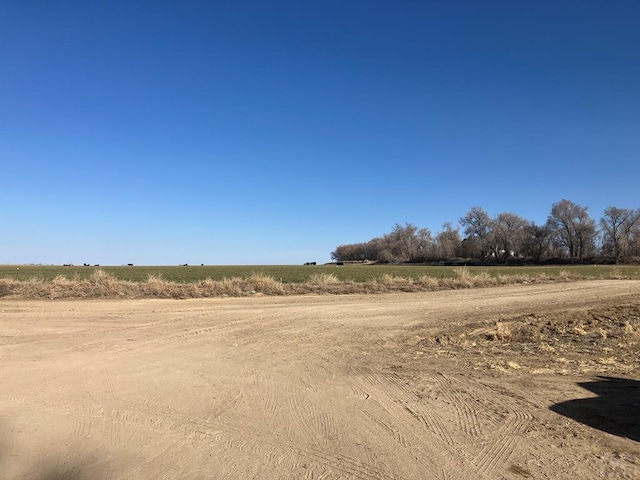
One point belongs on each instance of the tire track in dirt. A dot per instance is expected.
(162, 340)
(71, 463)
(319, 370)
(185, 429)
(283, 453)
(506, 439)
(417, 453)
(141, 328)
(345, 464)
(265, 383)
(501, 442)
(75, 456)
(390, 386)
(399, 414)
(449, 457)
(496, 454)
(466, 414)
(305, 414)
(390, 417)
(359, 392)
(300, 391)
(296, 393)
(233, 436)
(115, 425)
(227, 434)
(299, 422)
(157, 464)
(290, 344)
(315, 374)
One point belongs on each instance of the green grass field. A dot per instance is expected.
(300, 273)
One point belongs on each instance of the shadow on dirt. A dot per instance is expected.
(614, 410)
(57, 473)
(42, 470)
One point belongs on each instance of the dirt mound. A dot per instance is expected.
(614, 323)
(580, 341)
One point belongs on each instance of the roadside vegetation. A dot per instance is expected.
(569, 236)
(41, 282)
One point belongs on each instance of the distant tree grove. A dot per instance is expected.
(569, 235)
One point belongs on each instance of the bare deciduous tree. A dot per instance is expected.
(478, 226)
(508, 231)
(617, 226)
(573, 228)
(536, 241)
(408, 243)
(448, 242)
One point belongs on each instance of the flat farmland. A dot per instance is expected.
(302, 274)
(520, 381)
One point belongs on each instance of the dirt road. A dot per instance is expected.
(400, 386)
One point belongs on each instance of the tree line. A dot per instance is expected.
(569, 235)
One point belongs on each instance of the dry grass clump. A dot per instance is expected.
(256, 283)
(261, 283)
(464, 278)
(428, 283)
(7, 286)
(388, 280)
(156, 286)
(567, 276)
(102, 284)
(389, 283)
(32, 288)
(616, 274)
(324, 279)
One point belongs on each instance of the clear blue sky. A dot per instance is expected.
(251, 132)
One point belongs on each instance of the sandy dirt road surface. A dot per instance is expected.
(397, 386)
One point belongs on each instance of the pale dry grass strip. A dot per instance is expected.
(104, 285)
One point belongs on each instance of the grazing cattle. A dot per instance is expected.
(97, 265)
(310, 263)
(339, 263)
(129, 264)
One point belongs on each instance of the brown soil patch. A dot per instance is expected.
(531, 381)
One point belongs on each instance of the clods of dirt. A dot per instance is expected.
(605, 339)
